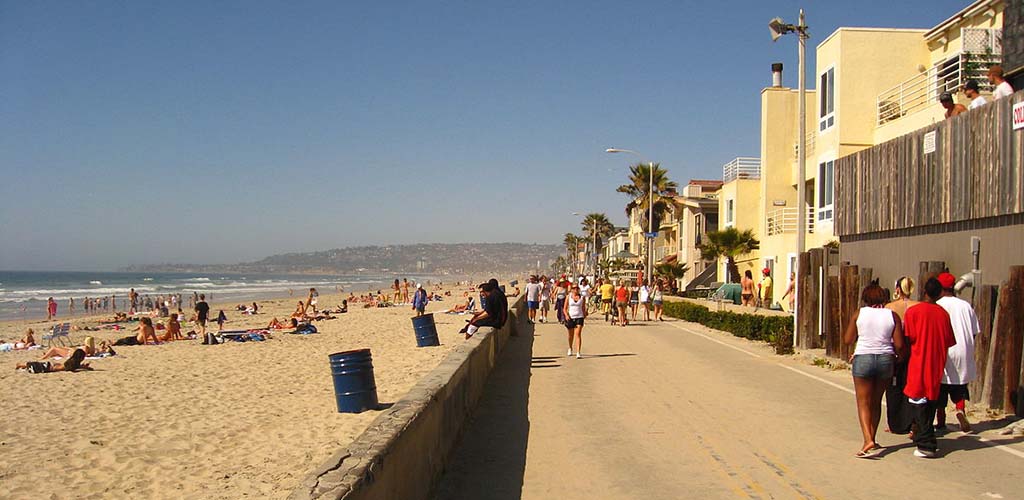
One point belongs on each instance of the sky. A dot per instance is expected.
(223, 132)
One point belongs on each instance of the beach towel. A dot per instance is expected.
(305, 329)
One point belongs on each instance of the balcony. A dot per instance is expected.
(784, 221)
(981, 48)
(809, 138)
(741, 168)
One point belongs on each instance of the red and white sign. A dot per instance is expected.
(1018, 115)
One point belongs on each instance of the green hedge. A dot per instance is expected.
(749, 326)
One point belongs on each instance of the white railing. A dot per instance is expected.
(809, 144)
(924, 89)
(783, 220)
(742, 168)
(661, 252)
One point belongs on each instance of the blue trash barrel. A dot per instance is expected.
(426, 330)
(354, 387)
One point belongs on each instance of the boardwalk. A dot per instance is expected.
(673, 410)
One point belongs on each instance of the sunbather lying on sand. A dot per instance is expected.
(146, 333)
(73, 363)
(89, 346)
(281, 325)
(464, 306)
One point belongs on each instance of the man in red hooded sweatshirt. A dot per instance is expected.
(930, 334)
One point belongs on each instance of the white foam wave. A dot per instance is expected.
(96, 282)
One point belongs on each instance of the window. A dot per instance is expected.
(827, 100)
(826, 171)
(729, 213)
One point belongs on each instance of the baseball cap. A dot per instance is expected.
(766, 271)
(947, 280)
(971, 85)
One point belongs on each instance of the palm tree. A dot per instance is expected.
(672, 271)
(572, 247)
(597, 227)
(639, 188)
(729, 243)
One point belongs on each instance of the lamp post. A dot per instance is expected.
(650, 211)
(779, 28)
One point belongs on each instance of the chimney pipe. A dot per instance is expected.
(776, 74)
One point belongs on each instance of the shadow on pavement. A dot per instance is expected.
(490, 459)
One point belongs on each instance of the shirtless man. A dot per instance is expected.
(952, 108)
(747, 294)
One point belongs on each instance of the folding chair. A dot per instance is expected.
(61, 334)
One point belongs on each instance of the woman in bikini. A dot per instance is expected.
(747, 293)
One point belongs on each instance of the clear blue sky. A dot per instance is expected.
(216, 132)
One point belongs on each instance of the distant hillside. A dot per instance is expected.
(434, 258)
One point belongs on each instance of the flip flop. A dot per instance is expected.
(869, 453)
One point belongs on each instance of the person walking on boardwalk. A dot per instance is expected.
(960, 366)
(545, 298)
(607, 292)
(634, 298)
(533, 289)
(621, 301)
(658, 300)
(644, 294)
(878, 333)
(899, 412)
(930, 335)
(575, 313)
(560, 292)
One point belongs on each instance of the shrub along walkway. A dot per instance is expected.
(675, 410)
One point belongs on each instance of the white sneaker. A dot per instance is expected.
(924, 453)
(569, 352)
(579, 356)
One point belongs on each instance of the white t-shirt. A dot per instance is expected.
(533, 292)
(577, 308)
(585, 290)
(644, 293)
(874, 331)
(1002, 90)
(960, 367)
(977, 102)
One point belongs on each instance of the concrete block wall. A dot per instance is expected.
(404, 451)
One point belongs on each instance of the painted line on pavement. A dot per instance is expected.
(1007, 449)
(726, 344)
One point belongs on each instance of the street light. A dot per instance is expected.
(650, 210)
(779, 28)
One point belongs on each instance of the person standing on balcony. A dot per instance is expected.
(1003, 88)
(952, 108)
(971, 91)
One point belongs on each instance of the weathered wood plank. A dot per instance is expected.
(985, 309)
(1011, 327)
(849, 284)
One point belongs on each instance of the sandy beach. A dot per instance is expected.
(184, 420)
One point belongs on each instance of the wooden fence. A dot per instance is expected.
(976, 170)
(998, 348)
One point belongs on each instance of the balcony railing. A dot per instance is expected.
(924, 89)
(784, 220)
(742, 168)
(810, 137)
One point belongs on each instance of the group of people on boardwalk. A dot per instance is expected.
(926, 348)
(572, 303)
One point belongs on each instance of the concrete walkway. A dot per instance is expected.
(673, 410)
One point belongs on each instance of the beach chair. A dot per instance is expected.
(61, 334)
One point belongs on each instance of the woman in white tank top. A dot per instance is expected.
(878, 333)
(575, 312)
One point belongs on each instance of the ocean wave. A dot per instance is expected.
(96, 282)
(195, 280)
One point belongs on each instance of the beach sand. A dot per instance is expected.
(184, 420)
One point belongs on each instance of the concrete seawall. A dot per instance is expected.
(404, 451)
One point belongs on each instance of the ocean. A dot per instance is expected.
(23, 294)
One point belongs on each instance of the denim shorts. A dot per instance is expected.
(876, 366)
